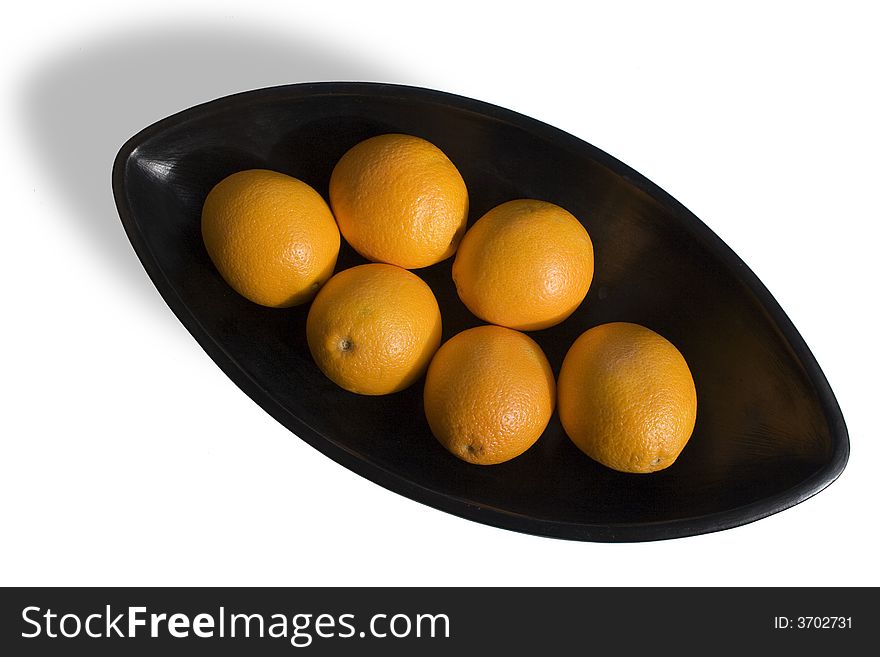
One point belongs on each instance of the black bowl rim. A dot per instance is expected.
(623, 532)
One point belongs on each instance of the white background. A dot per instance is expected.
(129, 458)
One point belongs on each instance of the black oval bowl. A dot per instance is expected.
(769, 432)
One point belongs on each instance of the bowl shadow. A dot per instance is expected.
(80, 103)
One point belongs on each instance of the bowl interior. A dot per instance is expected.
(763, 435)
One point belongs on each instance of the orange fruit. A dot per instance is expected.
(372, 329)
(272, 237)
(525, 264)
(627, 398)
(489, 394)
(399, 199)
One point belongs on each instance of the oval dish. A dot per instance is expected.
(769, 432)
